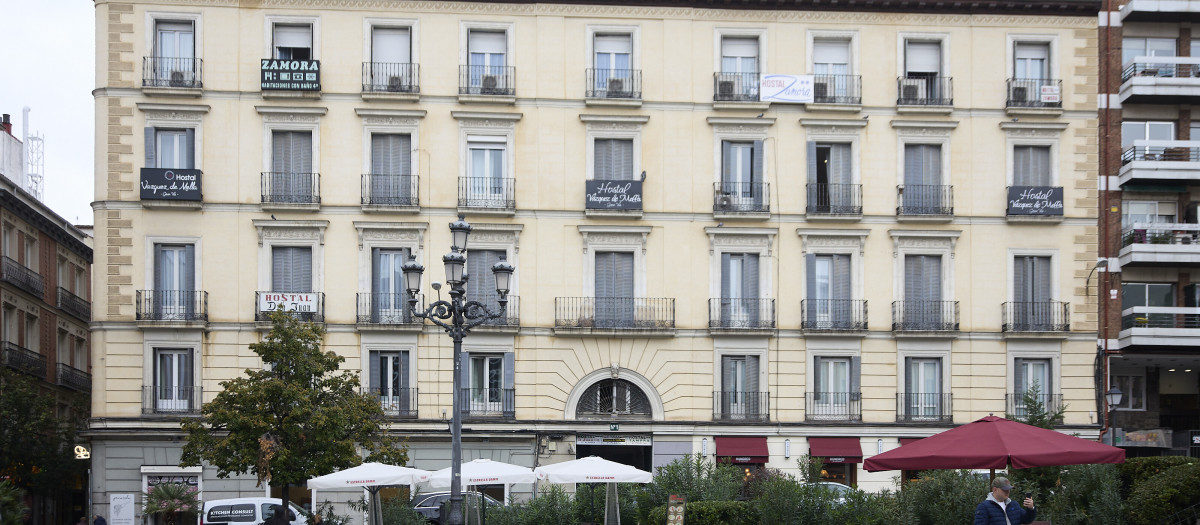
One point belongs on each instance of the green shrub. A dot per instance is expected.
(865, 508)
(551, 507)
(1085, 495)
(12, 503)
(693, 477)
(1156, 498)
(782, 500)
(397, 512)
(590, 499)
(1136, 470)
(709, 513)
(942, 497)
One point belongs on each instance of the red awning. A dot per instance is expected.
(836, 450)
(743, 449)
(905, 441)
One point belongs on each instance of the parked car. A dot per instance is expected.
(248, 511)
(838, 490)
(430, 503)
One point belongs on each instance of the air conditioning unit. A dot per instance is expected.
(616, 88)
(178, 79)
(396, 83)
(725, 202)
(911, 92)
(489, 84)
(1020, 94)
(820, 91)
(725, 88)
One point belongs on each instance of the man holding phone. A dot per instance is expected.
(998, 509)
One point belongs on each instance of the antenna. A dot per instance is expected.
(35, 158)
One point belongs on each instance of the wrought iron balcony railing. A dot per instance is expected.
(834, 199)
(1034, 93)
(306, 306)
(487, 80)
(735, 87)
(18, 275)
(741, 197)
(497, 193)
(741, 314)
(924, 407)
(837, 89)
(512, 313)
(173, 400)
(74, 378)
(388, 309)
(615, 313)
(390, 77)
(741, 406)
(488, 402)
(925, 91)
(614, 83)
(925, 199)
(282, 187)
(1040, 316)
(396, 402)
(833, 406)
(74, 305)
(23, 359)
(172, 72)
(1015, 404)
(172, 305)
(936, 316)
(833, 315)
(389, 190)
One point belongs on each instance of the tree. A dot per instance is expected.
(1041, 480)
(35, 443)
(297, 419)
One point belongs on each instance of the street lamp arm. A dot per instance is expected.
(475, 313)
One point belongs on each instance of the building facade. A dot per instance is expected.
(748, 233)
(1149, 155)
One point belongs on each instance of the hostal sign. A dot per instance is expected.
(288, 302)
(170, 184)
(294, 75)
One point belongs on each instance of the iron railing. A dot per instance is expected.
(172, 72)
(925, 199)
(739, 313)
(613, 398)
(175, 400)
(939, 316)
(837, 89)
(388, 309)
(833, 406)
(389, 190)
(488, 402)
(512, 313)
(18, 275)
(172, 305)
(833, 315)
(1161, 67)
(74, 378)
(614, 83)
(390, 77)
(281, 187)
(74, 305)
(1015, 404)
(1161, 151)
(615, 313)
(1160, 317)
(735, 87)
(396, 402)
(741, 197)
(741, 406)
(498, 193)
(834, 199)
(23, 359)
(924, 407)
(298, 307)
(1160, 233)
(1034, 93)
(925, 91)
(1036, 316)
(487, 80)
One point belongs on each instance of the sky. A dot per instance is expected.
(47, 62)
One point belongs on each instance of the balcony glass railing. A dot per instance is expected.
(1160, 233)
(1161, 67)
(1187, 318)
(1161, 151)
(741, 406)
(615, 313)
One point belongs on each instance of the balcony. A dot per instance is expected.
(308, 307)
(488, 403)
(74, 305)
(925, 93)
(612, 198)
(389, 311)
(1034, 204)
(487, 195)
(741, 406)
(291, 191)
(1160, 11)
(1160, 244)
(837, 90)
(284, 78)
(839, 407)
(390, 81)
(394, 193)
(736, 87)
(23, 359)
(1041, 316)
(833, 315)
(1015, 404)
(925, 201)
(642, 316)
(396, 402)
(924, 408)
(172, 75)
(622, 87)
(741, 199)
(487, 84)
(1163, 327)
(171, 400)
(1033, 96)
(1161, 80)
(170, 307)
(74, 378)
(925, 316)
(834, 201)
(510, 321)
(739, 315)
(16, 274)
(1161, 162)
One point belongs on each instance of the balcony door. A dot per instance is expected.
(923, 180)
(831, 67)
(1031, 166)
(835, 385)
(923, 292)
(739, 289)
(739, 386)
(923, 386)
(1032, 294)
(291, 269)
(391, 55)
(1031, 61)
(486, 58)
(741, 175)
(830, 178)
(487, 163)
(291, 167)
(613, 63)
(1028, 373)
(922, 67)
(391, 168)
(389, 381)
(829, 290)
(487, 373)
(174, 281)
(614, 290)
(613, 159)
(482, 283)
(173, 379)
(293, 41)
(175, 53)
(388, 296)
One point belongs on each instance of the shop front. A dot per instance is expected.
(748, 453)
(635, 450)
(841, 456)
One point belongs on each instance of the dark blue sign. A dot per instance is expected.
(170, 184)
(613, 195)
(1035, 200)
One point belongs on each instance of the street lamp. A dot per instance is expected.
(1112, 398)
(457, 316)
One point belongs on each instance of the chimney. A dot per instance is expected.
(6, 123)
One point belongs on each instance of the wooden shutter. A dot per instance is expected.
(188, 267)
(291, 269)
(752, 377)
(726, 373)
(818, 378)
(757, 173)
(750, 277)
(151, 141)
(482, 283)
(727, 165)
(185, 372)
(189, 149)
(839, 164)
(603, 153)
(391, 154)
(1019, 386)
(375, 362)
(510, 361)
(811, 155)
(855, 378)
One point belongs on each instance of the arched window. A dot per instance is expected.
(613, 397)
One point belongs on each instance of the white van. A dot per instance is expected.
(247, 511)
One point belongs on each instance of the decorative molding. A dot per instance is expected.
(762, 238)
(740, 122)
(177, 112)
(486, 119)
(1041, 130)
(287, 118)
(627, 119)
(811, 239)
(391, 231)
(290, 230)
(290, 110)
(924, 128)
(497, 233)
(614, 235)
(847, 126)
(924, 239)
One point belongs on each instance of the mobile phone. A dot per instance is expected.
(1028, 494)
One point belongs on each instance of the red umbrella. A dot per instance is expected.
(995, 443)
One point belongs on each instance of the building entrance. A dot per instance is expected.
(633, 450)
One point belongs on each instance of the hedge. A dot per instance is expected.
(1156, 498)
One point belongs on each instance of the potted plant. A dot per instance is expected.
(171, 503)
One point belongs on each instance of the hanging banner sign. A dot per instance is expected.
(1035, 200)
(288, 302)
(1051, 94)
(120, 509)
(787, 89)
(293, 75)
(170, 184)
(613, 195)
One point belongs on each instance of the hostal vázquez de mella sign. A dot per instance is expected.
(614, 195)
(170, 184)
(1035, 200)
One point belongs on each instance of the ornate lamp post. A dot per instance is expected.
(457, 316)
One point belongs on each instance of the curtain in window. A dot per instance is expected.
(1031, 166)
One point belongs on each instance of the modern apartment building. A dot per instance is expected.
(1150, 157)
(752, 232)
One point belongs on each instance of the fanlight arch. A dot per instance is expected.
(624, 394)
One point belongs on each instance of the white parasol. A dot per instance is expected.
(485, 472)
(594, 469)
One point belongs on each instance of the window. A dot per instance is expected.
(1033, 373)
(742, 184)
(831, 68)
(293, 41)
(291, 269)
(922, 59)
(391, 169)
(1033, 306)
(613, 63)
(740, 305)
(1147, 212)
(79, 350)
(1133, 384)
(390, 381)
(614, 289)
(486, 61)
(830, 291)
(482, 284)
(835, 384)
(486, 185)
(10, 324)
(489, 380)
(923, 192)
(170, 148)
(1031, 166)
(64, 348)
(32, 336)
(613, 159)
(923, 306)
(1133, 47)
(389, 299)
(174, 63)
(392, 67)
(613, 397)
(923, 387)
(1031, 61)
(291, 178)
(10, 248)
(738, 78)
(1147, 294)
(174, 281)
(740, 395)
(173, 380)
(1146, 130)
(831, 179)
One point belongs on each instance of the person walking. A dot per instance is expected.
(998, 509)
(99, 520)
